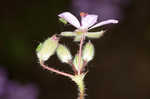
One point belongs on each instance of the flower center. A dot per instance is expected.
(83, 14)
(80, 31)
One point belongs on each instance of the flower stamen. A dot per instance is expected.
(83, 14)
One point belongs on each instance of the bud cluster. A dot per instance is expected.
(86, 49)
(51, 45)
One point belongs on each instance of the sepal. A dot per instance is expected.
(88, 52)
(63, 53)
(95, 35)
(78, 63)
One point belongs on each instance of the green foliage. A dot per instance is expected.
(39, 47)
(63, 20)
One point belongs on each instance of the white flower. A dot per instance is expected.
(87, 23)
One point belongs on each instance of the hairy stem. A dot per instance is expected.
(81, 90)
(79, 80)
(56, 71)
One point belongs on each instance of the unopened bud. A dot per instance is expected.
(78, 62)
(88, 52)
(47, 49)
(63, 53)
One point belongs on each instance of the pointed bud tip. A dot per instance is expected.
(54, 37)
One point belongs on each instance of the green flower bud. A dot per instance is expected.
(47, 49)
(88, 52)
(63, 53)
(78, 63)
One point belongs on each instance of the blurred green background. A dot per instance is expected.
(120, 70)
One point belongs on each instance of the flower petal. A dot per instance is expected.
(88, 20)
(70, 18)
(110, 21)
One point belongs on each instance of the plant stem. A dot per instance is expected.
(80, 51)
(56, 71)
(81, 90)
(79, 80)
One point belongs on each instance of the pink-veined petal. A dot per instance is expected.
(88, 20)
(110, 21)
(70, 18)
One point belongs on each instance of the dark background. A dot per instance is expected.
(120, 70)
